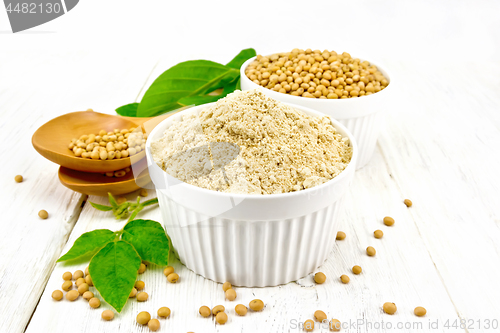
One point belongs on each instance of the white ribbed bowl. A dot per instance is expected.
(362, 116)
(249, 240)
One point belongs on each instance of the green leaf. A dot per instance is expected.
(114, 270)
(112, 200)
(199, 100)
(135, 212)
(101, 207)
(190, 78)
(149, 239)
(150, 202)
(128, 110)
(243, 56)
(88, 244)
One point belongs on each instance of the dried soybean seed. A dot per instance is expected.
(309, 325)
(43, 214)
(120, 173)
(133, 293)
(77, 274)
(344, 278)
(94, 302)
(240, 310)
(67, 285)
(143, 193)
(407, 202)
(142, 268)
(173, 278)
(88, 280)
(335, 325)
(88, 295)
(388, 221)
(221, 318)
(319, 278)
(341, 235)
(370, 251)
(420, 311)
(256, 305)
(168, 270)
(378, 234)
(217, 309)
(154, 325)
(18, 178)
(205, 311)
(72, 295)
(87, 271)
(67, 276)
(226, 286)
(82, 288)
(139, 285)
(165, 312)
(143, 318)
(390, 308)
(356, 269)
(57, 295)
(319, 316)
(107, 315)
(231, 294)
(79, 281)
(142, 296)
(119, 200)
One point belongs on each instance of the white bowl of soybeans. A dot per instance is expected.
(248, 239)
(353, 91)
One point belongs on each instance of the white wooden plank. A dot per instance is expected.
(386, 277)
(38, 89)
(445, 159)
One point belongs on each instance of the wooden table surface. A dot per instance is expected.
(440, 147)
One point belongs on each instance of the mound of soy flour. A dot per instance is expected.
(249, 143)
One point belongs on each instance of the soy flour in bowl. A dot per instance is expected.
(248, 143)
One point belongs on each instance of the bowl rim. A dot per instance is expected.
(351, 166)
(320, 101)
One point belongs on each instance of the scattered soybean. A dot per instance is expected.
(356, 269)
(143, 318)
(205, 311)
(72, 295)
(240, 310)
(217, 309)
(165, 312)
(168, 270)
(57, 295)
(388, 221)
(43, 214)
(94, 302)
(231, 294)
(173, 278)
(420, 311)
(107, 315)
(221, 318)
(319, 316)
(256, 305)
(345, 279)
(142, 296)
(319, 278)
(154, 325)
(370, 251)
(390, 308)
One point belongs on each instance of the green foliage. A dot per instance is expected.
(188, 83)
